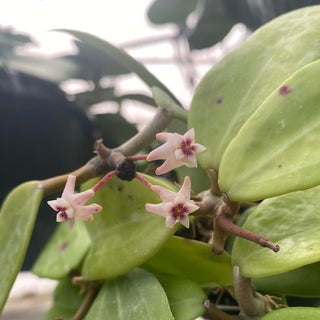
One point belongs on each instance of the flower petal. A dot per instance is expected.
(170, 221)
(184, 220)
(86, 212)
(189, 134)
(82, 197)
(157, 209)
(164, 194)
(198, 147)
(186, 188)
(69, 187)
(170, 164)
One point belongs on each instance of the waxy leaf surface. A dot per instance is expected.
(124, 235)
(185, 297)
(64, 251)
(193, 260)
(17, 217)
(236, 86)
(294, 313)
(300, 282)
(291, 221)
(136, 295)
(277, 150)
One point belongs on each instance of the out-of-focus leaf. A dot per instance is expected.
(171, 11)
(17, 217)
(276, 151)
(291, 221)
(64, 251)
(185, 297)
(235, 87)
(294, 313)
(124, 235)
(121, 57)
(302, 282)
(136, 295)
(66, 301)
(193, 260)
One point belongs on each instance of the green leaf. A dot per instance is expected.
(17, 217)
(121, 57)
(302, 282)
(64, 251)
(276, 151)
(185, 297)
(235, 87)
(173, 11)
(66, 301)
(294, 313)
(193, 260)
(124, 235)
(291, 221)
(135, 296)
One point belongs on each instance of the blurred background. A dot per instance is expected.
(58, 95)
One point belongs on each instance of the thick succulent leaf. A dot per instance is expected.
(294, 313)
(17, 217)
(66, 301)
(123, 235)
(135, 296)
(293, 222)
(121, 57)
(301, 282)
(235, 87)
(193, 260)
(276, 151)
(64, 251)
(185, 297)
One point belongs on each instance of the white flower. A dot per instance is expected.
(177, 151)
(70, 205)
(176, 206)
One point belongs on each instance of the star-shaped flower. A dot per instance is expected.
(178, 150)
(176, 206)
(70, 205)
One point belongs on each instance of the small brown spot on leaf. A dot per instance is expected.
(219, 101)
(63, 247)
(280, 166)
(284, 90)
(120, 187)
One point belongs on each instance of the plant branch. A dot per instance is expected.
(107, 159)
(215, 313)
(226, 224)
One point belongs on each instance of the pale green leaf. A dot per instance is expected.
(302, 282)
(236, 86)
(17, 217)
(277, 150)
(136, 295)
(64, 251)
(185, 297)
(124, 235)
(294, 313)
(193, 260)
(293, 222)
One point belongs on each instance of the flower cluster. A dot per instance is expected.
(177, 150)
(71, 205)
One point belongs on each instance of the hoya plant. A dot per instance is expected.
(239, 229)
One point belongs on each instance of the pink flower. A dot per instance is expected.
(175, 206)
(70, 205)
(177, 151)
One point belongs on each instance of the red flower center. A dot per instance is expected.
(178, 210)
(187, 147)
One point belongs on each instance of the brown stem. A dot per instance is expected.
(213, 176)
(227, 225)
(142, 139)
(216, 314)
(87, 302)
(107, 159)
